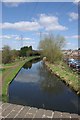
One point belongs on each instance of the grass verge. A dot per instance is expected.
(70, 77)
(9, 73)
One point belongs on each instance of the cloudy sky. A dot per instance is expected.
(24, 23)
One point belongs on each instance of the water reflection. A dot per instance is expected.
(48, 82)
(35, 86)
(28, 65)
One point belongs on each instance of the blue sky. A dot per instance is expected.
(22, 23)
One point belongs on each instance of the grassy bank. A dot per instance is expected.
(70, 77)
(9, 72)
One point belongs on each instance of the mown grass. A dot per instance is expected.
(9, 73)
(70, 77)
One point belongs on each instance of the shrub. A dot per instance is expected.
(6, 55)
(51, 47)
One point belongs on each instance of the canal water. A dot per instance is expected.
(35, 86)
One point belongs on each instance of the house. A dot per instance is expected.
(75, 54)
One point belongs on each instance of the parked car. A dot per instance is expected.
(78, 67)
(72, 64)
(71, 60)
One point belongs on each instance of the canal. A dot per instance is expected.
(35, 86)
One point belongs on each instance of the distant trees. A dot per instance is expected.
(15, 54)
(51, 47)
(0, 57)
(9, 55)
(27, 51)
(6, 55)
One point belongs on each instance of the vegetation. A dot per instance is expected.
(0, 57)
(66, 74)
(27, 51)
(6, 54)
(9, 73)
(12, 61)
(51, 47)
(9, 55)
(14, 55)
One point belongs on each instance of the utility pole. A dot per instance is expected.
(40, 35)
(21, 40)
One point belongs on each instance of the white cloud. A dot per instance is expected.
(73, 16)
(27, 39)
(73, 37)
(23, 26)
(68, 43)
(51, 23)
(23, 38)
(12, 4)
(48, 23)
(75, 1)
(30, 43)
(13, 0)
(5, 37)
(16, 37)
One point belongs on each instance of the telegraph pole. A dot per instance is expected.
(21, 40)
(40, 35)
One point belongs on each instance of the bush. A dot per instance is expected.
(51, 47)
(6, 55)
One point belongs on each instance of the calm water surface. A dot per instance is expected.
(35, 86)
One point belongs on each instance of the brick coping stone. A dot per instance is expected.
(10, 111)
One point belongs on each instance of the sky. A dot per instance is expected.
(25, 23)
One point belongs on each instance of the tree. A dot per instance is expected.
(6, 54)
(51, 47)
(26, 51)
(30, 48)
(0, 57)
(15, 54)
(23, 51)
